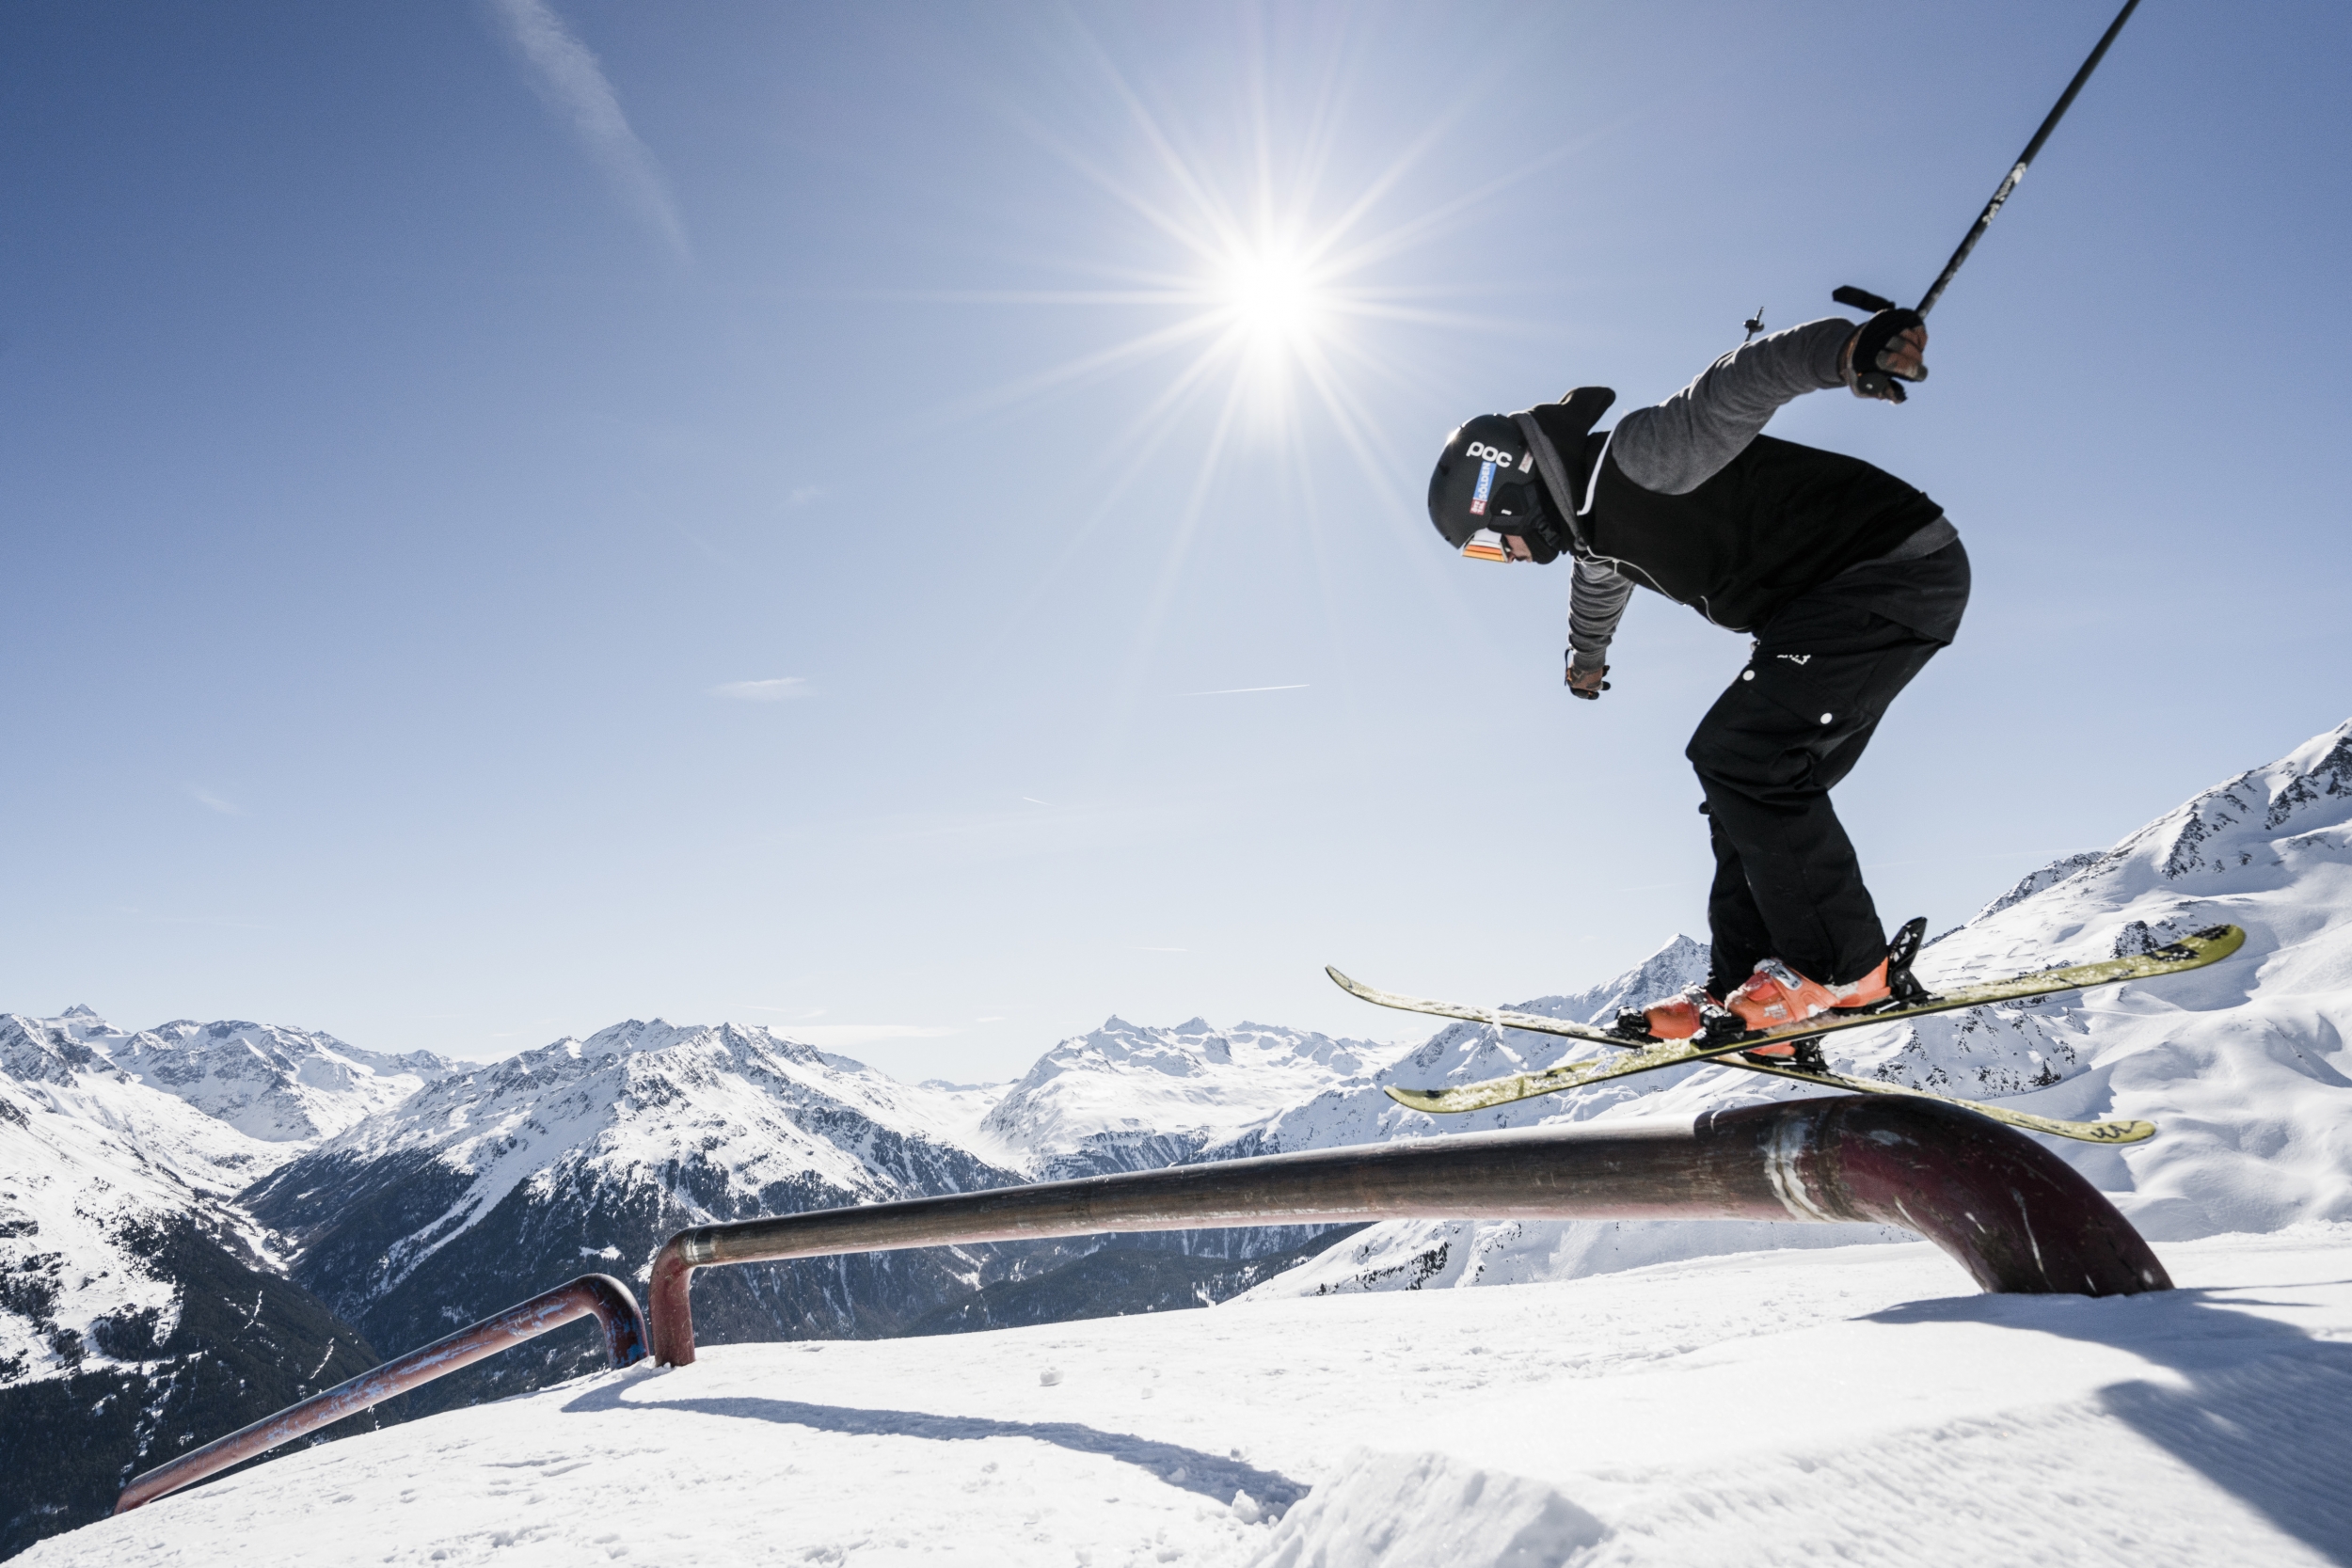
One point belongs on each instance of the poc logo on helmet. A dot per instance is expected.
(1486, 454)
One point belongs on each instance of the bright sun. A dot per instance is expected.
(1273, 296)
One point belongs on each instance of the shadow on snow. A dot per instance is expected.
(2263, 1409)
(1213, 1478)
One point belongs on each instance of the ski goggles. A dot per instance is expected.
(1486, 544)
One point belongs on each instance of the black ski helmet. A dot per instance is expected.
(1485, 477)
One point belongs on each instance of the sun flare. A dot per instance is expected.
(1258, 284)
(1273, 296)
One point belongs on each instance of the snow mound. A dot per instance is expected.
(1429, 1511)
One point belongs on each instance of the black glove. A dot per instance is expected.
(1592, 686)
(1866, 375)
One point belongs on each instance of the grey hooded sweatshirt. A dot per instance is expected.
(1678, 446)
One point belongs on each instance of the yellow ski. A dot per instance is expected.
(2207, 947)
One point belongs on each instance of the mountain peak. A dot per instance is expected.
(279, 1084)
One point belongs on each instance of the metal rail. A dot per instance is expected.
(596, 1295)
(2014, 1215)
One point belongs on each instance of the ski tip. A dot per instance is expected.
(1340, 980)
(2215, 942)
(1428, 1100)
(2123, 1132)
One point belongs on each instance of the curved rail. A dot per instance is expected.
(2014, 1215)
(598, 1295)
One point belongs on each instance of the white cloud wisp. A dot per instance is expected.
(568, 79)
(210, 801)
(782, 689)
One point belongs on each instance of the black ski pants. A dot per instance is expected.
(1787, 883)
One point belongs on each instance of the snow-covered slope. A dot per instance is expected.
(283, 1085)
(279, 1084)
(108, 1136)
(1852, 1407)
(483, 1185)
(2243, 1066)
(152, 1135)
(89, 1160)
(745, 1118)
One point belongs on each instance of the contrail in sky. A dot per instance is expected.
(568, 79)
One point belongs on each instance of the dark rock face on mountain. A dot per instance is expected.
(233, 1343)
(584, 1156)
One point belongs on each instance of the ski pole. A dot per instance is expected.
(1873, 382)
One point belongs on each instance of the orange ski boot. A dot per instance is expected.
(1776, 997)
(1693, 1012)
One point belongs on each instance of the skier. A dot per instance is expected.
(1848, 580)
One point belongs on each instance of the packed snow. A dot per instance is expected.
(1859, 1405)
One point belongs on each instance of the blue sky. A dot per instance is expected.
(522, 515)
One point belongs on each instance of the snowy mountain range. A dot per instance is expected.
(375, 1201)
(1129, 1098)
